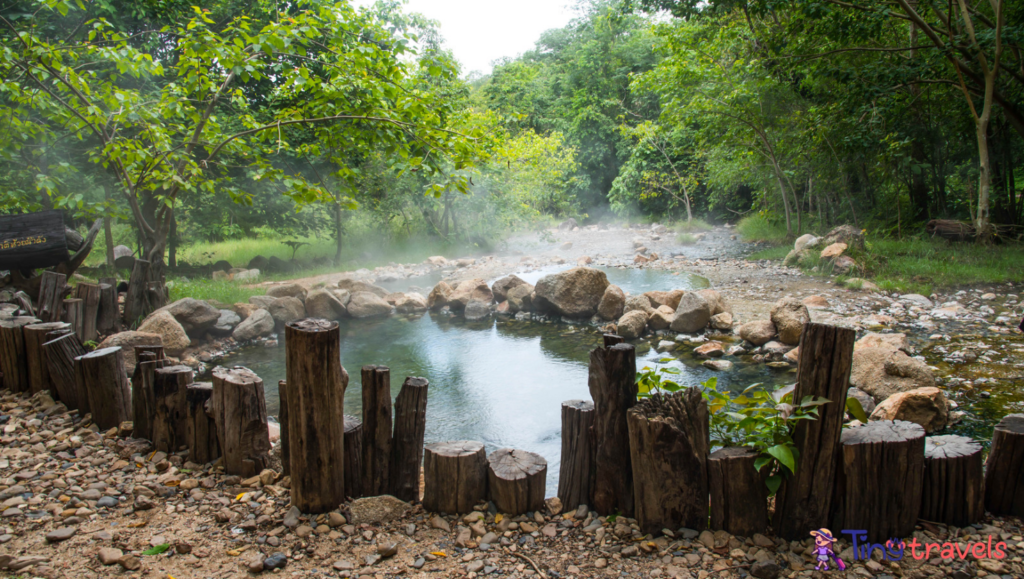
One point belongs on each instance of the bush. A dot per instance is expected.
(760, 228)
(694, 225)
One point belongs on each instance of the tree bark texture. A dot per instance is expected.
(201, 431)
(1004, 471)
(516, 480)
(51, 296)
(90, 296)
(953, 489)
(136, 301)
(454, 476)
(35, 356)
(241, 415)
(61, 352)
(376, 429)
(170, 419)
(353, 457)
(739, 495)
(613, 388)
(108, 317)
(282, 420)
(101, 375)
(407, 444)
(74, 314)
(13, 363)
(147, 360)
(576, 470)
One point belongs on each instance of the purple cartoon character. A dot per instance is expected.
(823, 552)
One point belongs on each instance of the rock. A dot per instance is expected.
(262, 301)
(130, 563)
(477, 310)
(259, 262)
(797, 256)
(439, 523)
(669, 298)
(411, 303)
(632, 324)
(127, 341)
(639, 303)
(807, 240)
(322, 303)
(893, 341)
(194, 316)
(711, 349)
(566, 246)
(61, 534)
(335, 519)
(692, 314)
(848, 234)
(438, 297)
(247, 275)
(568, 225)
(171, 333)
(291, 518)
(554, 505)
(925, 406)
(469, 290)
(865, 399)
(722, 321)
(917, 300)
(343, 295)
(257, 325)
(287, 309)
(718, 365)
(584, 260)
(661, 318)
(226, 323)
(715, 301)
(355, 285)
(109, 556)
(833, 251)
(882, 371)
(303, 531)
(367, 305)
(612, 304)
(520, 298)
(861, 284)
(287, 290)
(575, 293)
(765, 570)
(275, 561)
(437, 260)
(789, 317)
(844, 265)
(758, 332)
(375, 510)
(107, 502)
(815, 302)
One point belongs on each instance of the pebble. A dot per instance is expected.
(109, 556)
(61, 534)
(130, 562)
(275, 561)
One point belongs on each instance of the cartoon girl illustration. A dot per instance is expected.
(823, 541)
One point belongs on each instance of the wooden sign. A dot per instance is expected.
(32, 240)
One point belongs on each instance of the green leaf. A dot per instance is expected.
(157, 550)
(773, 482)
(760, 461)
(784, 455)
(854, 407)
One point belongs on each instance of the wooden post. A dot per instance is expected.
(147, 360)
(170, 417)
(136, 301)
(90, 295)
(668, 441)
(879, 486)
(376, 429)
(51, 296)
(454, 476)
(316, 410)
(516, 480)
(805, 499)
(100, 374)
(241, 415)
(576, 470)
(35, 356)
(107, 318)
(74, 314)
(201, 433)
(1004, 471)
(407, 445)
(613, 387)
(953, 482)
(739, 495)
(12, 353)
(612, 339)
(282, 421)
(61, 352)
(353, 457)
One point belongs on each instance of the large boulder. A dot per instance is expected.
(501, 287)
(322, 303)
(833, 251)
(477, 309)
(520, 298)
(722, 321)
(259, 262)
(925, 406)
(262, 301)
(277, 265)
(568, 225)
(894, 341)
(225, 323)
(194, 315)
(670, 299)
(574, 293)
(411, 303)
(438, 297)
(639, 303)
(661, 318)
(247, 275)
(715, 300)
(758, 332)
(343, 295)
(287, 290)
(367, 305)
(793, 258)
(468, 290)
(807, 240)
(692, 314)
(287, 309)
(257, 325)
(127, 342)
(612, 304)
(789, 316)
(356, 285)
(632, 324)
(171, 333)
(848, 234)
(882, 371)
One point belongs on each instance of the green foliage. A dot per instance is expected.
(225, 292)
(686, 239)
(761, 227)
(162, 548)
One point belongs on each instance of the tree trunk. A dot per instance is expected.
(12, 353)
(136, 302)
(51, 297)
(879, 486)
(669, 445)
(241, 415)
(108, 316)
(316, 414)
(170, 419)
(516, 479)
(35, 357)
(61, 352)
(282, 421)
(201, 431)
(101, 376)
(953, 482)
(576, 469)
(613, 387)
(1004, 471)
(376, 429)
(804, 501)
(454, 476)
(739, 495)
(108, 233)
(353, 457)
(338, 234)
(407, 444)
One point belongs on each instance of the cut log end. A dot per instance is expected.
(454, 476)
(517, 480)
(312, 325)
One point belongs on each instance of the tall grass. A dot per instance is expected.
(921, 264)
(225, 292)
(759, 228)
(695, 225)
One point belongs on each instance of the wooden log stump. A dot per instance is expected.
(51, 296)
(136, 301)
(454, 476)
(612, 339)
(804, 501)
(13, 363)
(282, 420)
(353, 457)
(100, 374)
(169, 421)
(739, 495)
(89, 293)
(201, 431)
(576, 469)
(613, 388)
(74, 314)
(1004, 471)
(407, 445)
(516, 480)
(147, 360)
(376, 429)
(879, 486)
(25, 303)
(669, 445)
(316, 400)
(952, 492)
(35, 356)
(240, 412)
(61, 352)
(107, 318)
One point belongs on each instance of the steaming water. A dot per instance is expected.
(499, 381)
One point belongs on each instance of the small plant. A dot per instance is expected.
(686, 239)
(90, 345)
(547, 237)
(651, 381)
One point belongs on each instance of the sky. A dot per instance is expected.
(479, 32)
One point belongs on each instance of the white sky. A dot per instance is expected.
(479, 32)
